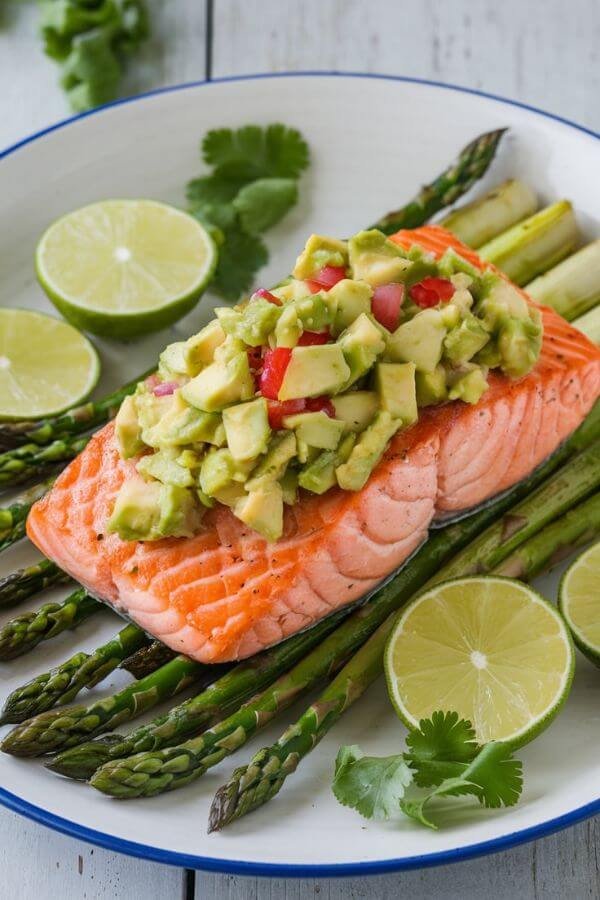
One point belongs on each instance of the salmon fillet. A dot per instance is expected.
(227, 593)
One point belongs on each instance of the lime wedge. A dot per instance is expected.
(579, 601)
(45, 365)
(489, 648)
(122, 268)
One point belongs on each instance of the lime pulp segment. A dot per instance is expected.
(579, 601)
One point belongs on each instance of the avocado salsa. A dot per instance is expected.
(303, 386)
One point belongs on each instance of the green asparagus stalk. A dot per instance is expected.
(80, 762)
(31, 580)
(589, 324)
(26, 631)
(147, 659)
(73, 422)
(258, 782)
(31, 461)
(58, 729)
(13, 517)
(471, 165)
(535, 245)
(573, 286)
(490, 215)
(62, 683)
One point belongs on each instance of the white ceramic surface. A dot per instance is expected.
(373, 140)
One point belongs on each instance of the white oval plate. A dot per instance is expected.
(373, 140)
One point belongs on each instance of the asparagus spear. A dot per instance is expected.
(81, 762)
(535, 245)
(31, 580)
(31, 460)
(589, 324)
(256, 783)
(58, 729)
(147, 659)
(13, 517)
(490, 215)
(553, 543)
(74, 421)
(572, 287)
(469, 167)
(27, 630)
(62, 683)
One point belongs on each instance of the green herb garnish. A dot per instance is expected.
(443, 756)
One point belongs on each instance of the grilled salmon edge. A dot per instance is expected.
(226, 593)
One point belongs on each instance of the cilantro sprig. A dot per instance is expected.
(442, 760)
(253, 184)
(90, 39)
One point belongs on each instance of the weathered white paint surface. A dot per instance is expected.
(541, 52)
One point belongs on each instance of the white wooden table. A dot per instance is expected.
(544, 52)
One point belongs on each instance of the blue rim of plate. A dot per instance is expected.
(283, 870)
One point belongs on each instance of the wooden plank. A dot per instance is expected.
(531, 52)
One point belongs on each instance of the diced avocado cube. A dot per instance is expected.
(247, 428)
(163, 466)
(319, 475)
(395, 384)
(463, 342)
(316, 429)
(219, 470)
(220, 384)
(375, 259)
(189, 459)
(253, 324)
(366, 453)
(356, 409)
(489, 357)
(519, 344)
(200, 348)
(315, 312)
(289, 487)
(320, 251)
(452, 262)
(419, 340)
(450, 315)
(127, 429)
(313, 371)
(305, 452)
(351, 299)
(262, 510)
(150, 511)
(172, 361)
(281, 449)
(362, 342)
(288, 328)
(503, 301)
(188, 426)
(468, 386)
(421, 267)
(231, 494)
(431, 387)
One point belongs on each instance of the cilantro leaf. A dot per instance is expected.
(372, 786)
(493, 777)
(212, 189)
(438, 745)
(240, 256)
(264, 202)
(252, 152)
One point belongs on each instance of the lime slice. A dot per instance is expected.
(490, 649)
(579, 601)
(45, 365)
(122, 268)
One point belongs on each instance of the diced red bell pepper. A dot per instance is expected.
(431, 291)
(275, 362)
(278, 409)
(255, 359)
(310, 338)
(320, 404)
(386, 303)
(326, 278)
(266, 295)
(165, 388)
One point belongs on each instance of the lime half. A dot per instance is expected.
(489, 648)
(45, 365)
(579, 601)
(122, 268)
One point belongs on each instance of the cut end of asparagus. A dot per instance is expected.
(573, 287)
(589, 324)
(80, 763)
(485, 218)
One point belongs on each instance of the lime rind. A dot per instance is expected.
(541, 721)
(46, 365)
(124, 268)
(589, 559)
